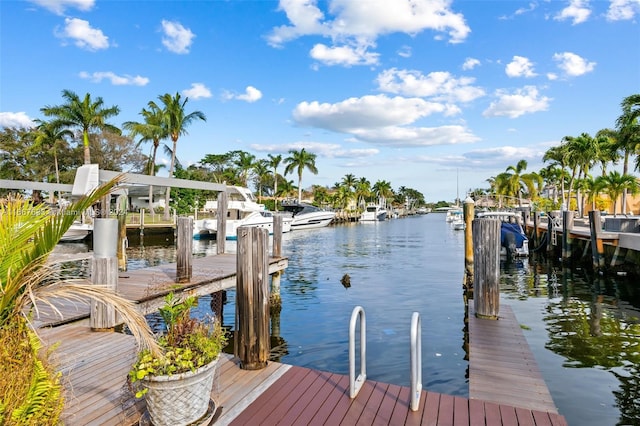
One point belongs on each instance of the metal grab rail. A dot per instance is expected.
(416, 360)
(355, 383)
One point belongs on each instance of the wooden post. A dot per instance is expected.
(221, 224)
(550, 235)
(121, 214)
(567, 241)
(469, 212)
(275, 301)
(277, 236)
(535, 234)
(104, 272)
(252, 344)
(486, 277)
(597, 246)
(141, 222)
(184, 250)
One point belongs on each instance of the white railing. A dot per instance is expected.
(355, 383)
(416, 360)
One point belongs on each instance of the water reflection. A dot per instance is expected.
(591, 322)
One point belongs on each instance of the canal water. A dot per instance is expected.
(584, 332)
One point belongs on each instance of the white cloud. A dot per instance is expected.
(250, 95)
(577, 10)
(116, 80)
(572, 64)
(359, 23)
(343, 55)
(177, 38)
(367, 112)
(15, 120)
(197, 91)
(326, 150)
(522, 101)
(83, 35)
(59, 6)
(405, 52)
(520, 67)
(439, 85)
(621, 10)
(416, 136)
(470, 63)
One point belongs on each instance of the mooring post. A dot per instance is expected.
(275, 302)
(550, 235)
(221, 222)
(184, 249)
(121, 214)
(252, 298)
(469, 212)
(567, 241)
(104, 272)
(597, 246)
(534, 234)
(486, 276)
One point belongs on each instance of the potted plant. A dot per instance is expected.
(177, 383)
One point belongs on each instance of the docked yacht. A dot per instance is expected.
(78, 231)
(307, 216)
(373, 213)
(513, 239)
(242, 210)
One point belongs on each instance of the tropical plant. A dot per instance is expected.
(175, 121)
(274, 162)
(51, 137)
(628, 127)
(85, 114)
(28, 234)
(614, 184)
(187, 343)
(300, 160)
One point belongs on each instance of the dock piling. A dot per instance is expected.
(184, 250)
(486, 277)
(104, 271)
(469, 212)
(221, 222)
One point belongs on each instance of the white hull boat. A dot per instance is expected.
(373, 213)
(307, 216)
(77, 232)
(261, 219)
(513, 239)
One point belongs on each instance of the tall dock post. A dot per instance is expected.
(567, 241)
(486, 274)
(121, 214)
(551, 235)
(252, 298)
(275, 302)
(469, 212)
(221, 222)
(597, 247)
(104, 271)
(184, 250)
(535, 236)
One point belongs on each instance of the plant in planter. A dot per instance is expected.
(177, 383)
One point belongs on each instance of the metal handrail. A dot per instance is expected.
(416, 360)
(355, 383)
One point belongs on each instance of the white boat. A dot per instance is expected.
(513, 239)
(454, 213)
(459, 225)
(77, 232)
(373, 212)
(307, 216)
(242, 210)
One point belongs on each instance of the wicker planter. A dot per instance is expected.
(180, 399)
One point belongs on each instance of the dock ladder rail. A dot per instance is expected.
(355, 383)
(416, 360)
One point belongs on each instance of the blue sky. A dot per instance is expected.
(434, 95)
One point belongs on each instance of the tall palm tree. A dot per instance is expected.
(382, 189)
(176, 121)
(260, 171)
(628, 127)
(85, 114)
(51, 136)
(245, 163)
(152, 130)
(558, 155)
(362, 190)
(607, 142)
(274, 162)
(515, 179)
(300, 160)
(615, 184)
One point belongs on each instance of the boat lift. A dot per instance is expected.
(355, 383)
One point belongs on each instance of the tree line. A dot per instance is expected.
(78, 132)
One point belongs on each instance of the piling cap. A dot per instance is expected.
(469, 200)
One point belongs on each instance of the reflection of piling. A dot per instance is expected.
(252, 298)
(469, 211)
(486, 276)
(104, 272)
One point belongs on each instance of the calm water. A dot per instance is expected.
(585, 334)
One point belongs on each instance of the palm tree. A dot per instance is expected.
(260, 171)
(614, 184)
(607, 143)
(151, 130)
(50, 136)
(382, 189)
(26, 278)
(558, 155)
(362, 190)
(515, 180)
(628, 127)
(176, 121)
(300, 160)
(86, 114)
(274, 162)
(245, 163)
